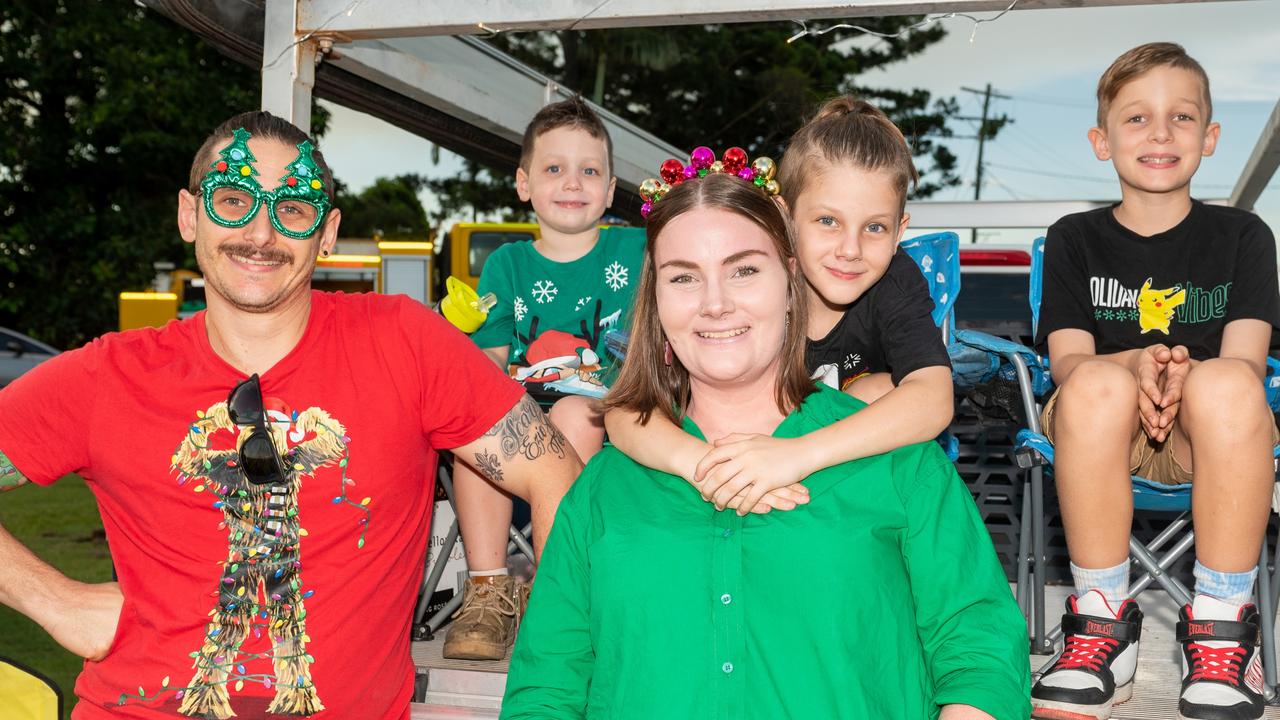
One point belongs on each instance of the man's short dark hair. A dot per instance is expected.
(571, 113)
(264, 126)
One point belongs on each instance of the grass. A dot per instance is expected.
(59, 523)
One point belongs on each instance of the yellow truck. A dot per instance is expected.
(468, 245)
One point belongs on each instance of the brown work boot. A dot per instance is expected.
(485, 626)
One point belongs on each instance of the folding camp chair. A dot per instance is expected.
(1036, 454)
(978, 358)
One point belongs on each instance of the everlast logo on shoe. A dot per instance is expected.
(1200, 628)
(1097, 628)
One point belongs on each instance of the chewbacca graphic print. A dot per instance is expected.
(259, 591)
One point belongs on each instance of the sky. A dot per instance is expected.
(1046, 61)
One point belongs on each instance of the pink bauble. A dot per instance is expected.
(702, 157)
(747, 174)
(645, 208)
(690, 172)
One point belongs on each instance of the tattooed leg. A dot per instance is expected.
(10, 478)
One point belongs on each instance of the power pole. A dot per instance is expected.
(985, 129)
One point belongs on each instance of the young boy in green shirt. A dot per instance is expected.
(557, 297)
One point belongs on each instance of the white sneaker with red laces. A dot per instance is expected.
(1221, 665)
(1095, 668)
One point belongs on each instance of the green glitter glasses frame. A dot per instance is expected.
(291, 217)
(233, 196)
(258, 457)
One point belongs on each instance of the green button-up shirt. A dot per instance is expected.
(882, 598)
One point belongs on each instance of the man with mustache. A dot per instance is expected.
(265, 468)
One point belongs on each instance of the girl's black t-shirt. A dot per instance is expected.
(889, 329)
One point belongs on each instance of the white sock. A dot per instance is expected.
(488, 573)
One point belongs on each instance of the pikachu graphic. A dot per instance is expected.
(1156, 307)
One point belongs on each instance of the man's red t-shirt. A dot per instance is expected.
(282, 598)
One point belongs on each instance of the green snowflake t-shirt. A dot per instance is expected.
(554, 315)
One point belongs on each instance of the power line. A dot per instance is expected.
(1039, 100)
(1004, 187)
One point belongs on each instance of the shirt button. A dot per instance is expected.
(726, 599)
(727, 533)
(727, 668)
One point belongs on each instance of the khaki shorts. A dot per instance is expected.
(1149, 459)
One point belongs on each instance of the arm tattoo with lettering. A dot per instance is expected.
(523, 431)
(10, 478)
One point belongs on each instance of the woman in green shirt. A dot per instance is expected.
(880, 598)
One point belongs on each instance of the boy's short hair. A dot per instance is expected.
(571, 113)
(1140, 60)
(262, 125)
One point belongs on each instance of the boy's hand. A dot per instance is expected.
(748, 467)
(1148, 369)
(1175, 376)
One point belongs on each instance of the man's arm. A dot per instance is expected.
(527, 456)
(82, 617)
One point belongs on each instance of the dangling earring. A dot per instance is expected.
(667, 355)
(786, 321)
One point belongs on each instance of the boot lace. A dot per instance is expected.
(485, 599)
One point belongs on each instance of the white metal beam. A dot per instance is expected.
(481, 86)
(1262, 164)
(380, 19)
(288, 65)
(995, 215)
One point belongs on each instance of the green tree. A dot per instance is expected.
(102, 106)
(751, 87)
(478, 191)
(388, 208)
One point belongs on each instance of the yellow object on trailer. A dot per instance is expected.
(147, 309)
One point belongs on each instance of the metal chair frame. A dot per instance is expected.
(1033, 456)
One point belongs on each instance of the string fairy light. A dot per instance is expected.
(806, 31)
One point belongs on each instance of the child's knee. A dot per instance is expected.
(1098, 385)
(580, 419)
(1223, 386)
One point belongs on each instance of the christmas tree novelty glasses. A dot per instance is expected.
(258, 457)
(232, 195)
